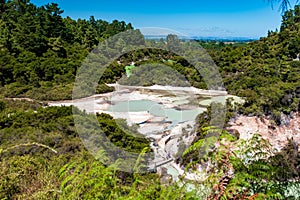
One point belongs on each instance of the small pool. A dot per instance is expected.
(173, 172)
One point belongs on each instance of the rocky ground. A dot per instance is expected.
(277, 135)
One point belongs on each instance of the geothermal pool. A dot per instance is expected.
(173, 115)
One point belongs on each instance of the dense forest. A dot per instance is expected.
(43, 157)
(266, 72)
(41, 50)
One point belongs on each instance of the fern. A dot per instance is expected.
(193, 147)
(139, 162)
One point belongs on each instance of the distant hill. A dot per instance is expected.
(221, 39)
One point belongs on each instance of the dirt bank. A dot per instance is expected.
(277, 135)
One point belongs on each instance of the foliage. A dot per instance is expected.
(264, 72)
(284, 4)
(133, 142)
(40, 51)
(241, 169)
(94, 181)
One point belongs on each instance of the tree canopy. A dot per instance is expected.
(41, 51)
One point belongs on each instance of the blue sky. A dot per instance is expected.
(245, 18)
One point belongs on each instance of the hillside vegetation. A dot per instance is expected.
(40, 51)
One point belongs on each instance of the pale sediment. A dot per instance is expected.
(276, 135)
(168, 137)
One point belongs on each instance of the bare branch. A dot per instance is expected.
(26, 145)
